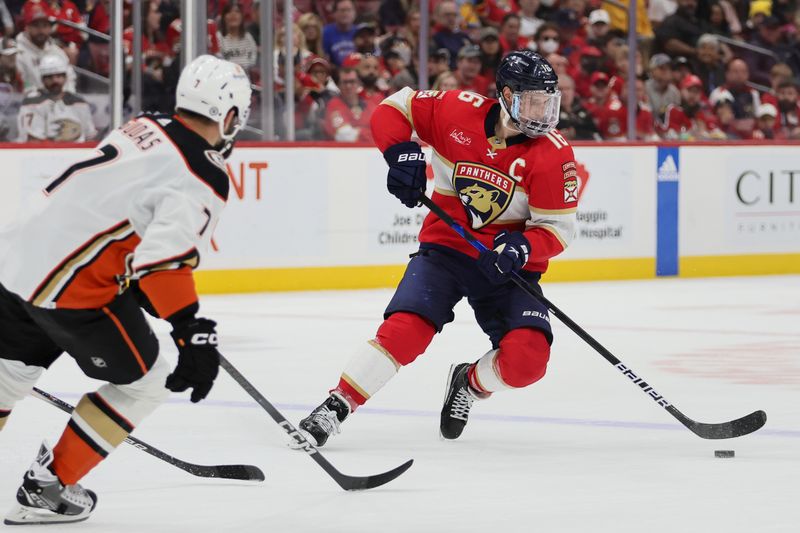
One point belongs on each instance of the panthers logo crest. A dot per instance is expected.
(485, 192)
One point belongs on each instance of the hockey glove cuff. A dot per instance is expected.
(198, 358)
(406, 179)
(510, 254)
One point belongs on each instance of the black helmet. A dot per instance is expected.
(524, 70)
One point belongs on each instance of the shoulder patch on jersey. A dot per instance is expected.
(570, 181)
(215, 157)
(192, 148)
(484, 191)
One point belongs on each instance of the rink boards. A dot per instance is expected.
(319, 217)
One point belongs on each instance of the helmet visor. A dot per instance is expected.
(535, 112)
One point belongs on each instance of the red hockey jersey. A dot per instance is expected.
(486, 184)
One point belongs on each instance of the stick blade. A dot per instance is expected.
(727, 430)
(242, 472)
(370, 482)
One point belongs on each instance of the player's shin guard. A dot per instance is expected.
(520, 361)
(102, 420)
(399, 341)
(16, 381)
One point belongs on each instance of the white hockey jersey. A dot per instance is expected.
(144, 206)
(64, 119)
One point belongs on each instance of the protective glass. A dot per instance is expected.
(535, 112)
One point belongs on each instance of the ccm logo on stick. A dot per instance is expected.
(410, 157)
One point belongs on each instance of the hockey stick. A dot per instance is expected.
(724, 430)
(243, 472)
(344, 481)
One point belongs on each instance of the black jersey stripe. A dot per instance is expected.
(192, 148)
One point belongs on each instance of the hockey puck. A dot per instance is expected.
(724, 453)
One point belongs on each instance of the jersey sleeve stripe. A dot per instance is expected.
(552, 229)
(190, 258)
(540, 211)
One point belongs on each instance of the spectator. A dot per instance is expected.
(71, 39)
(51, 113)
(658, 10)
(368, 71)
(446, 81)
(235, 43)
(491, 53)
(438, 64)
(311, 26)
(337, 37)
(766, 115)
(789, 108)
(597, 29)
(446, 33)
(613, 118)
(100, 21)
(574, 122)
(468, 71)
(410, 32)
(510, 38)
(301, 53)
(723, 110)
(588, 61)
(745, 99)
(528, 21)
(777, 75)
(364, 39)
(392, 14)
(680, 68)
(547, 39)
(492, 12)
(569, 22)
(10, 76)
(34, 43)
(679, 32)
(559, 63)
(347, 117)
(697, 110)
(769, 35)
(708, 65)
(599, 93)
(660, 90)
(154, 41)
(618, 12)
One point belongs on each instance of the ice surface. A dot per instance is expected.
(583, 450)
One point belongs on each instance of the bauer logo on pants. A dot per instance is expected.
(484, 191)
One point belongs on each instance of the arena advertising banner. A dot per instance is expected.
(740, 200)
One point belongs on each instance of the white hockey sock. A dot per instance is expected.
(370, 369)
(487, 374)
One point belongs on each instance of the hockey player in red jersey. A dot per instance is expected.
(503, 171)
(119, 230)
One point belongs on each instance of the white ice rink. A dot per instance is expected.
(583, 450)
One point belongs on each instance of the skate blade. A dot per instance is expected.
(23, 515)
(446, 389)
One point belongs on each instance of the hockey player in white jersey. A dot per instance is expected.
(120, 229)
(53, 113)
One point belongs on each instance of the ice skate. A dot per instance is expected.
(458, 400)
(43, 499)
(324, 421)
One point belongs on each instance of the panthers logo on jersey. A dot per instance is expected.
(484, 192)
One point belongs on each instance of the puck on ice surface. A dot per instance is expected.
(724, 453)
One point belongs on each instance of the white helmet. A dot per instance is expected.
(211, 87)
(53, 64)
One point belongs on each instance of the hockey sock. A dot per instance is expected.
(520, 361)
(102, 420)
(94, 430)
(4, 417)
(400, 339)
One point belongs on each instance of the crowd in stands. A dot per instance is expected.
(705, 69)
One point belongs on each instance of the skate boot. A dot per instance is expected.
(44, 500)
(324, 421)
(457, 402)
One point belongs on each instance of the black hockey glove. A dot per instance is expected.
(198, 358)
(510, 254)
(406, 179)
